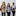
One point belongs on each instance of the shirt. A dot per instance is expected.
(13, 6)
(8, 9)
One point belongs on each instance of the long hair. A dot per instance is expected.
(2, 3)
(9, 5)
(13, 3)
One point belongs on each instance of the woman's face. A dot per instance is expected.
(3, 3)
(8, 4)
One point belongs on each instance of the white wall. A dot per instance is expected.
(10, 1)
(7, 1)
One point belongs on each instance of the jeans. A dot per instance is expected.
(13, 12)
(8, 13)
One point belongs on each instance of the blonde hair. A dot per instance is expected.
(4, 3)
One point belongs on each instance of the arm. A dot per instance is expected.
(10, 8)
(1, 7)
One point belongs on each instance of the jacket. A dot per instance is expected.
(4, 9)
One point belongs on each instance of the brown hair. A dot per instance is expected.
(2, 3)
(13, 3)
(9, 5)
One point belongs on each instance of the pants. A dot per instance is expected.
(3, 13)
(13, 12)
(8, 13)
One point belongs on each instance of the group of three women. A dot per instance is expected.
(8, 9)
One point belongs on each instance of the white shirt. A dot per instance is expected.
(8, 9)
(13, 7)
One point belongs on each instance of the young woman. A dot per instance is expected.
(3, 7)
(13, 5)
(8, 9)
(13, 10)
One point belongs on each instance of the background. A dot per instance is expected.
(7, 1)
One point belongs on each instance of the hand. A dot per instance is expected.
(2, 6)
